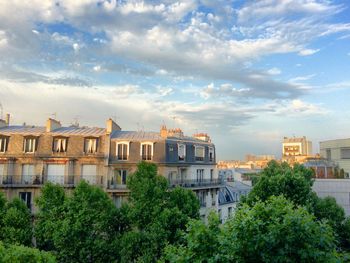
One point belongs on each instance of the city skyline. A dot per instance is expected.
(247, 73)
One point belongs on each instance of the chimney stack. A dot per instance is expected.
(52, 124)
(7, 120)
(163, 132)
(111, 126)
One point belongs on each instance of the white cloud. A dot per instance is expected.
(274, 71)
(308, 52)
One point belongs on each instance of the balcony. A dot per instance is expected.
(195, 183)
(111, 185)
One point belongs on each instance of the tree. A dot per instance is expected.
(280, 179)
(19, 254)
(202, 242)
(83, 227)
(16, 223)
(51, 207)
(157, 215)
(270, 231)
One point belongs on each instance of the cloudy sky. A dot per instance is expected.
(246, 72)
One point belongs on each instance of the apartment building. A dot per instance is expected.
(31, 156)
(185, 161)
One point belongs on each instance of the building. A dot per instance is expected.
(296, 147)
(337, 188)
(31, 156)
(229, 197)
(337, 151)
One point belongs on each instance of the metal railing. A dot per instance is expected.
(114, 185)
(195, 183)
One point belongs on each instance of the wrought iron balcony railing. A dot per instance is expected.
(195, 183)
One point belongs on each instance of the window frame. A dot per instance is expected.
(211, 150)
(151, 144)
(178, 151)
(33, 144)
(65, 144)
(127, 143)
(4, 141)
(95, 145)
(199, 158)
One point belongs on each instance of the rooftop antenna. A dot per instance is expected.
(54, 115)
(174, 118)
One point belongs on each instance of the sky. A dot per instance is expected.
(247, 73)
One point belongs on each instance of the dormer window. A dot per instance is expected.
(199, 153)
(211, 154)
(59, 145)
(122, 151)
(29, 144)
(146, 151)
(3, 144)
(181, 148)
(90, 145)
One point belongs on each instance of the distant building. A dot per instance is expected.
(296, 147)
(337, 151)
(337, 188)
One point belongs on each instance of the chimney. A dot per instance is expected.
(163, 131)
(7, 120)
(52, 124)
(111, 126)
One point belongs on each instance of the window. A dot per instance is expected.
(3, 144)
(328, 154)
(146, 151)
(59, 145)
(27, 173)
(211, 154)
(181, 151)
(26, 197)
(89, 173)
(122, 150)
(29, 144)
(121, 176)
(230, 211)
(55, 173)
(199, 153)
(201, 198)
(200, 175)
(345, 153)
(90, 145)
(2, 172)
(211, 174)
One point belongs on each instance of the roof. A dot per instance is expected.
(83, 131)
(64, 131)
(24, 130)
(150, 136)
(136, 136)
(228, 193)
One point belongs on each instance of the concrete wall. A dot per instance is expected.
(337, 188)
(335, 149)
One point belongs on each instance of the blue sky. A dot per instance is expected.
(246, 72)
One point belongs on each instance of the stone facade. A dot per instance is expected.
(31, 156)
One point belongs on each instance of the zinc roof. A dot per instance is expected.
(64, 131)
(136, 136)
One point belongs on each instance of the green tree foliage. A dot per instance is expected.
(270, 231)
(16, 223)
(158, 215)
(202, 242)
(280, 179)
(85, 226)
(21, 254)
(51, 206)
(327, 208)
